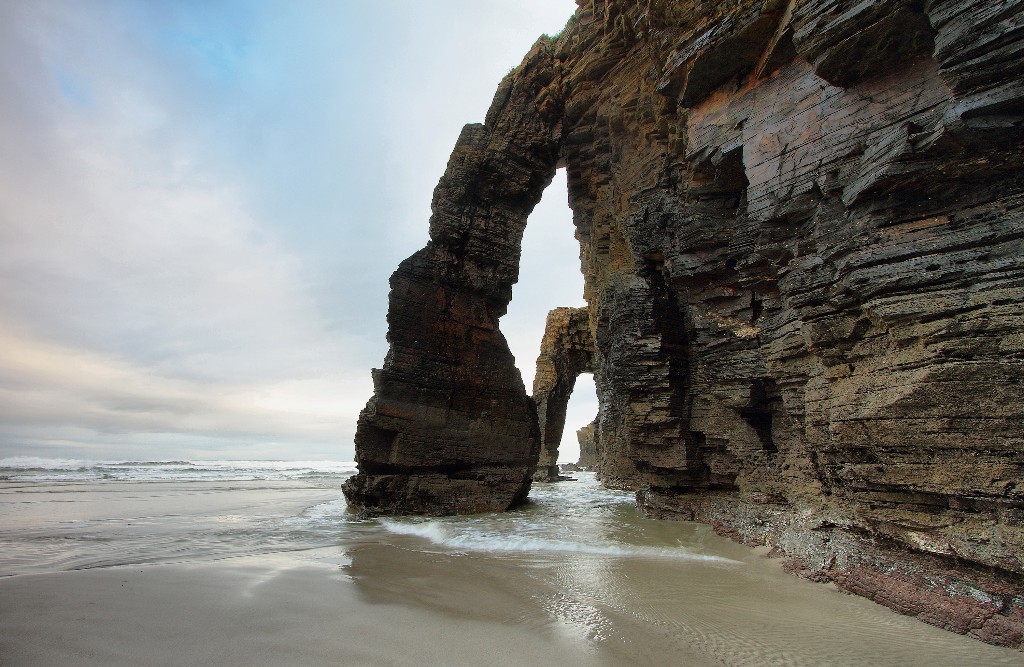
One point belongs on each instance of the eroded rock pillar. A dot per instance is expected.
(450, 428)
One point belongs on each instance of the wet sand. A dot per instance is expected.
(252, 611)
(215, 573)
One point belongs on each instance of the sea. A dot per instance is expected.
(583, 560)
(34, 469)
(579, 517)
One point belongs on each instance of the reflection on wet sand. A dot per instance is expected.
(279, 573)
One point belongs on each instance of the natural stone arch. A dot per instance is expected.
(566, 351)
(450, 428)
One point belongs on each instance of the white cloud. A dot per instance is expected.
(140, 296)
(192, 231)
(44, 388)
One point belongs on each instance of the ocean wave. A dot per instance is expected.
(30, 468)
(447, 536)
(38, 463)
(141, 464)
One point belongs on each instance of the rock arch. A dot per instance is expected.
(566, 351)
(450, 428)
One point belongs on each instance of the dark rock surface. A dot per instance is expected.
(802, 238)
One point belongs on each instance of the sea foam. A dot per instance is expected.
(465, 538)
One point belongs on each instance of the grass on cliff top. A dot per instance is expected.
(568, 24)
(551, 38)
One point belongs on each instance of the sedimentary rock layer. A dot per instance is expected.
(803, 244)
(802, 239)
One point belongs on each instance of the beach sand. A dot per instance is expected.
(251, 611)
(248, 574)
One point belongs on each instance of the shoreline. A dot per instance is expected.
(270, 573)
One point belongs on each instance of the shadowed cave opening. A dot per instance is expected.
(764, 401)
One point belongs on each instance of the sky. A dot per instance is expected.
(201, 202)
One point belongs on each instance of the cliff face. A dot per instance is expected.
(803, 247)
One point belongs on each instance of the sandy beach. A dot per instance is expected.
(275, 573)
(251, 611)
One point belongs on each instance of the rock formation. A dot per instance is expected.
(566, 350)
(802, 239)
(590, 456)
(450, 428)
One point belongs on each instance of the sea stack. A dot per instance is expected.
(802, 239)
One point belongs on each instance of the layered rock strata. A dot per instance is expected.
(802, 240)
(566, 351)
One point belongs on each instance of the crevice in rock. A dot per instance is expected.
(760, 411)
(847, 45)
(719, 177)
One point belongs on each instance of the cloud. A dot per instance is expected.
(47, 384)
(140, 295)
(200, 204)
